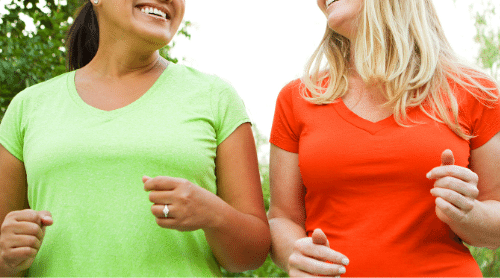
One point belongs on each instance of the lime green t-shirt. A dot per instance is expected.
(85, 165)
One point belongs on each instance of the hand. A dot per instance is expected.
(190, 206)
(455, 190)
(21, 236)
(312, 256)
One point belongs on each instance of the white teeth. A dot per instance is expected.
(155, 11)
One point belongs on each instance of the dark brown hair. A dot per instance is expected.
(83, 38)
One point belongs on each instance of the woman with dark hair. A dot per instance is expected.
(74, 149)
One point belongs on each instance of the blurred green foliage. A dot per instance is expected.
(488, 37)
(488, 260)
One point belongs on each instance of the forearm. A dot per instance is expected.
(239, 241)
(284, 234)
(483, 227)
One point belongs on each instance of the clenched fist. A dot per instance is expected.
(21, 236)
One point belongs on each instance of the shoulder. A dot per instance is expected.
(292, 94)
(204, 89)
(190, 77)
(43, 90)
(293, 88)
(474, 87)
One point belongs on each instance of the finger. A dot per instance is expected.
(318, 237)
(447, 158)
(145, 179)
(315, 267)
(457, 185)
(46, 218)
(161, 183)
(161, 197)
(28, 215)
(319, 252)
(25, 241)
(28, 228)
(448, 212)
(458, 172)
(293, 272)
(170, 223)
(157, 210)
(458, 200)
(20, 254)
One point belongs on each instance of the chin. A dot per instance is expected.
(155, 40)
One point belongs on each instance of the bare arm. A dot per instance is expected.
(485, 162)
(292, 250)
(13, 184)
(13, 196)
(287, 212)
(242, 241)
(473, 216)
(234, 222)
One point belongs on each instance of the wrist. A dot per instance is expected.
(217, 214)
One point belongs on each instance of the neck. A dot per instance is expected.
(121, 54)
(120, 61)
(359, 89)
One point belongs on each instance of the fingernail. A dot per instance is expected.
(47, 218)
(345, 261)
(428, 175)
(342, 270)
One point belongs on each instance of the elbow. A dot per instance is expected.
(244, 266)
(250, 260)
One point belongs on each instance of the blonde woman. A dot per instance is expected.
(386, 160)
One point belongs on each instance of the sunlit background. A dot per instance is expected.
(259, 46)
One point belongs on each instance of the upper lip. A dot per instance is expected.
(157, 6)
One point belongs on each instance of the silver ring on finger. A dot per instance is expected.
(165, 211)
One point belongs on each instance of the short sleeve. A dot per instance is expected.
(11, 128)
(485, 120)
(229, 110)
(285, 130)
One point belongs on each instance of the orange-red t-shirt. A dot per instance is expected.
(366, 185)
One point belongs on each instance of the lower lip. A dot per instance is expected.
(332, 3)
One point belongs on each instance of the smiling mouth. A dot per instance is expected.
(329, 2)
(154, 12)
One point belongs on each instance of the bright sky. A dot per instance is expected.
(261, 45)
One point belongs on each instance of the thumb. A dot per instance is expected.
(46, 218)
(145, 179)
(319, 238)
(447, 158)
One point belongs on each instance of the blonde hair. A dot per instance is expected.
(401, 47)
